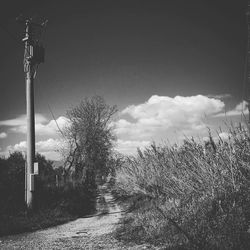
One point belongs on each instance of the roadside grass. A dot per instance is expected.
(188, 197)
(39, 220)
(55, 206)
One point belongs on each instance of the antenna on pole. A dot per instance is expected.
(33, 56)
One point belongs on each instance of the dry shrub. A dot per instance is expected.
(190, 196)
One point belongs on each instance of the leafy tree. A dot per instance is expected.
(89, 139)
(16, 169)
(4, 184)
(12, 183)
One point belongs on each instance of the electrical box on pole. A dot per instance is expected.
(36, 168)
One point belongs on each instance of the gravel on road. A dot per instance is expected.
(90, 233)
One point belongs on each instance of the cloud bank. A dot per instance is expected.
(49, 148)
(161, 113)
(42, 125)
(157, 119)
(239, 109)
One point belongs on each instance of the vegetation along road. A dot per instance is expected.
(95, 232)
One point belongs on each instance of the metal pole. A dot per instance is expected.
(33, 56)
(30, 136)
(25, 174)
(248, 64)
(30, 115)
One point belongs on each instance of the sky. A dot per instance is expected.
(173, 68)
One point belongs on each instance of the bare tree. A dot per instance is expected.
(89, 139)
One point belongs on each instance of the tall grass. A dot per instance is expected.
(192, 196)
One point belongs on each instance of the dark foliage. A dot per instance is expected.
(50, 200)
(89, 140)
(12, 184)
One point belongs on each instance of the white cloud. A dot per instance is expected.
(52, 127)
(130, 147)
(161, 113)
(224, 136)
(42, 125)
(240, 109)
(161, 107)
(21, 121)
(139, 124)
(41, 146)
(48, 145)
(3, 135)
(21, 146)
(48, 148)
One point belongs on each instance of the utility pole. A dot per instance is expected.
(33, 56)
(248, 64)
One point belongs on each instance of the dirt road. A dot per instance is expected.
(85, 233)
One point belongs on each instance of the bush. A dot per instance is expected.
(12, 184)
(67, 201)
(190, 196)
